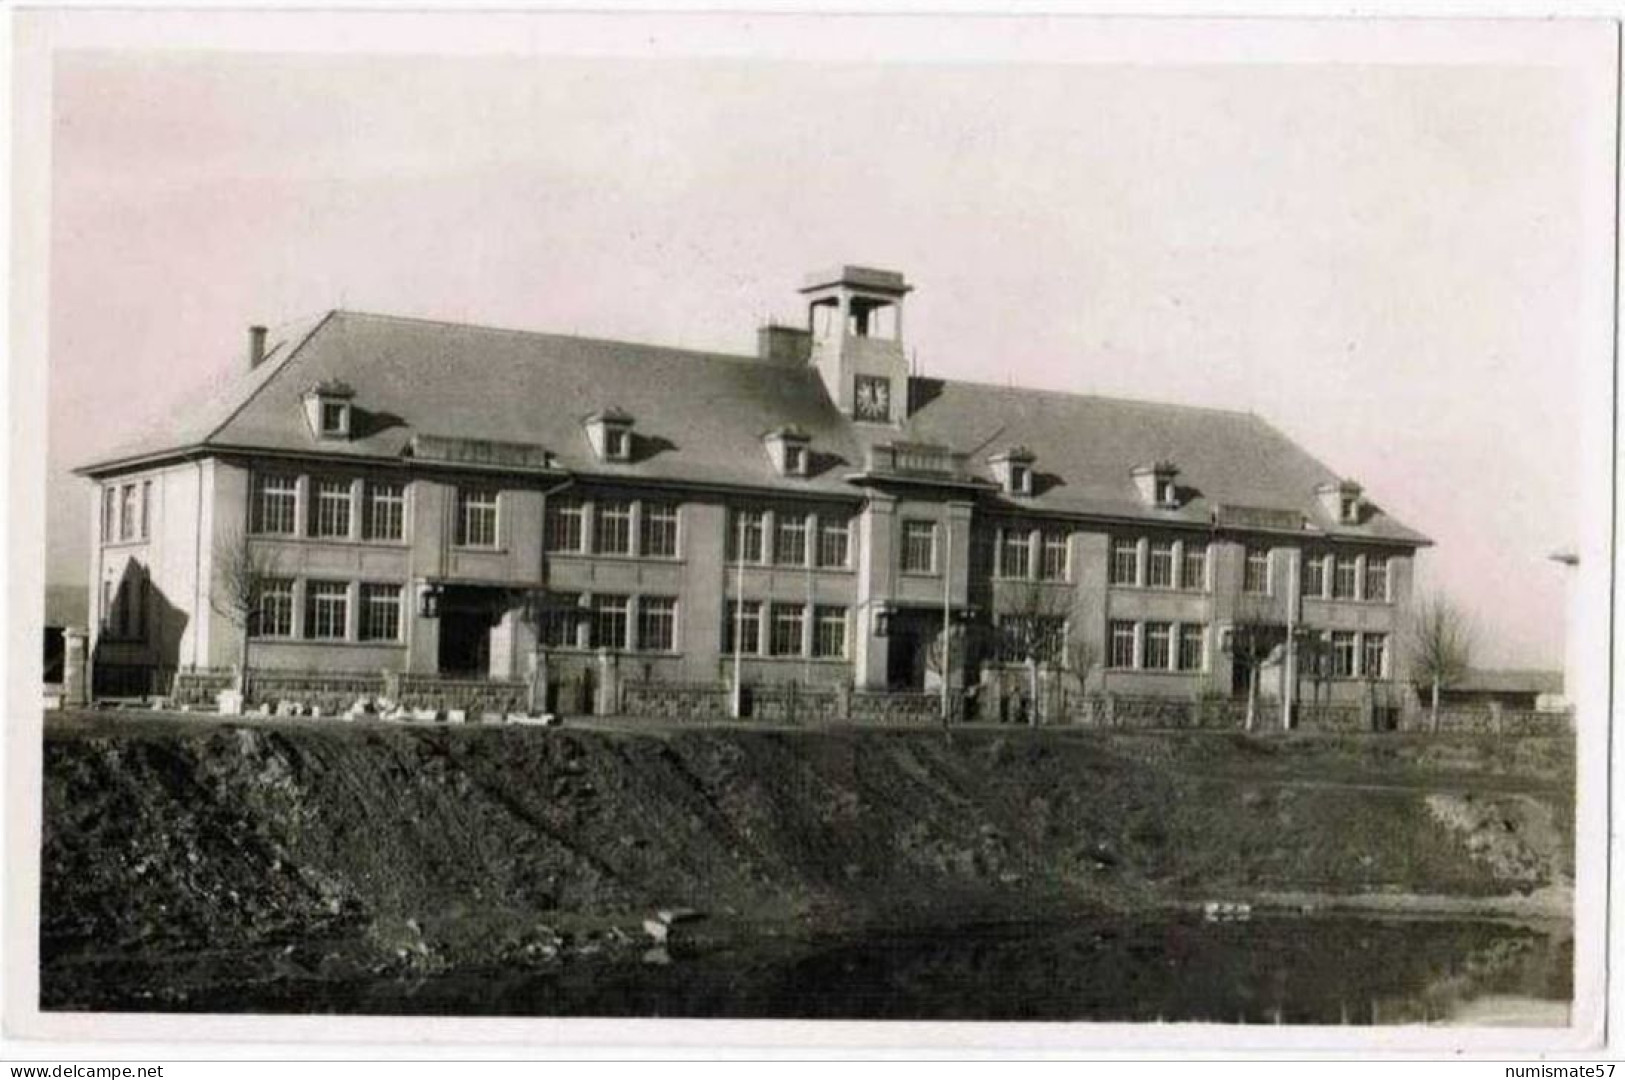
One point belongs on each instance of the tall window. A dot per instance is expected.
(275, 615)
(1255, 577)
(1344, 578)
(380, 612)
(1376, 577)
(608, 622)
(658, 539)
(385, 515)
(109, 513)
(657, 624)
(748, 616)
(1015, 554)
(1192, 646)
(126, 513)
(275, 503)
(476, 517)
(1125, 561)
(1159, 637)
(787, 629)
(746, 530)
(327, 609)
(1122, 644)
(790, 545)
(566, 524)
(829, 632)
(1314, 575)
(1342, 654)
(1160, 571)
(560, 619)
(834, 535)
(1052, 561)
(1193, 567)
(919, 547)
(612, 527)
(146, 509)
(330, 509)
(1374, 661)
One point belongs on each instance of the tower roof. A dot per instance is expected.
(857, 277)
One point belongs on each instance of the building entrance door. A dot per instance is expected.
(909, 638)
(467, 617)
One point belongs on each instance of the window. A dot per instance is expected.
(126, 513)
(612, 527)
(1122, 645)
(146, 509)
(787, 624)
(1159, 638)
(380, 612)
(748, 616)
(795, 459)
(275, 615)
(657, 624)
(658, 539)
(1125, 561)
(608, 622)
(829, 633)
(746, 529)
(1192, 647)
(274, 510)
(109, 512)
(107, 607)
(476, 517)
(333, 418)
(385, 515)
(790, 546)
(1052, 562)
(1256, 571)
(1374, 658)
(833, 538)
(617, 443)
(1020, 480)
(327, 610)
(1344, 577)
(330, 510)
(1015, 553)
(1039, 636)
(1193, 567)
(560, 619)
(1342, 654)
(1376, 577)
(919, 547)
(1314, 575)
(1165, 491)
(1160, 566)
(566, 524)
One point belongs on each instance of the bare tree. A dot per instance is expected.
(243, 575)
(1439, 646)
(1253, 639)
(536, 605)
(1031, 627)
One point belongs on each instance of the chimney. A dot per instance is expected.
(256, 346)
(784, 344)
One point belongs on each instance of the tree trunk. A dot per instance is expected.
(1433, 711)
(242, 665)
(1032, 687)
(536, 691)
(1252, 696)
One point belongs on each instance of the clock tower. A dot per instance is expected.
(855, 316)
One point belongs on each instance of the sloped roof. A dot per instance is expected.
(701, 417)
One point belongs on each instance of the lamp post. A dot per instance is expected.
(736, 705)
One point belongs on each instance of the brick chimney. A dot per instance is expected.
(256, 346)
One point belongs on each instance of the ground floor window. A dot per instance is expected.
(788, 620)
(1343, 654)
(275, 609)
(327, 609)
(1158, 645)
(829, 636)
(380, 612)
(657, 624)
(747, 617)
(1374, 664)
(1192, 647)
(559, 621)
(1122, 645)
(608, 622)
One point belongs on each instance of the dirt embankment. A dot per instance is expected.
(458, 845)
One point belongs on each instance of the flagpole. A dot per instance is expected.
(947, 613)
(739, 619)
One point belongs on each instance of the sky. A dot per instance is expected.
(1384, 260)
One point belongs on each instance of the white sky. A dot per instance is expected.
(1384, 260)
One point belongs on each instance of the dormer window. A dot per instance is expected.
(610, 432)
(787, 446)
(1014, 470)
(1342, 501)
(1158, 484)
(329, 410)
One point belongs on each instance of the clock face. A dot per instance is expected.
(873, 397)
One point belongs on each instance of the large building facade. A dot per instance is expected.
(432, 498)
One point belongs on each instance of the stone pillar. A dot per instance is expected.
(75, 667)
(608, 697)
